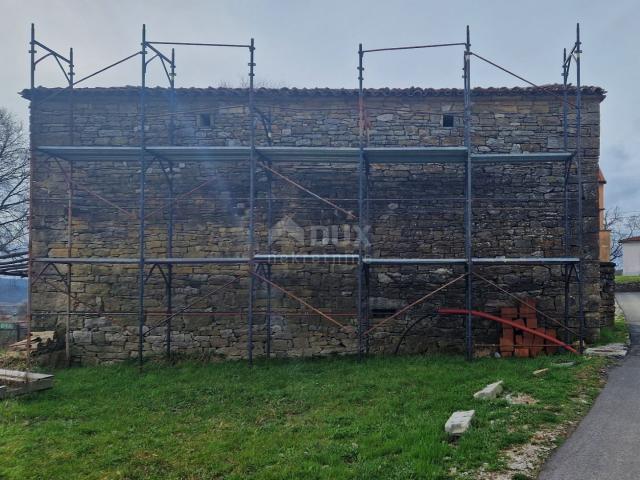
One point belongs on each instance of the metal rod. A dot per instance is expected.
(265, 258)
(579, 156)
(543, 88)
(435, 45)
(468, 201)
(189, 305)
(567, 170)
(114, 64)
(295, 297)
(306, 190)
(172, 140)
(69, 267)
(269, 176)
(141, 234)
(51, 51)
(191, 44)
(252, 193)
(361, 165)
(414, 303)
(30, 279)
(70, 213)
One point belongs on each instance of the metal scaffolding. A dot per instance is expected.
(262, 159)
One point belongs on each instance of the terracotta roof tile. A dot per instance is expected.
(555, 89)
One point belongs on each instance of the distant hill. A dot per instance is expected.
(13, 290)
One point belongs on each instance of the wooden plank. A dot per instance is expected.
(19, 382)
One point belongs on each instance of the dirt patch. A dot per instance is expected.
(525, 460)
(520, 399)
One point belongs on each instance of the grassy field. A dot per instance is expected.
(617, 333)
(314, 419)
(627, 278)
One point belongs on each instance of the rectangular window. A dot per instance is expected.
(204, 120)
(447, 120)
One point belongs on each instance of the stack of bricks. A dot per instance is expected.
(515, 342)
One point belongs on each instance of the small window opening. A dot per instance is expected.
(447, 120)
(204, 120)
(382, 312)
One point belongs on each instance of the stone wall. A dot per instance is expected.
(415, 211)
(607, 293)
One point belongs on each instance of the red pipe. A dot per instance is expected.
(488, 316)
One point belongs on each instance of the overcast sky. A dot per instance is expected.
(313, 44)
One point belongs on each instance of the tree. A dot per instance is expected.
(14, 190)
(621, 226)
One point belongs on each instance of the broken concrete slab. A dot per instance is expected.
(17, 382)
(613, 350)
(539, 373)
(489, 392)
(459, 422)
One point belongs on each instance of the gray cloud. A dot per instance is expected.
(314, 44)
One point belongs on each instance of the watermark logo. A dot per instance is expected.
(288, 232)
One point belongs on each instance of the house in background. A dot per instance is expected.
(631, 256)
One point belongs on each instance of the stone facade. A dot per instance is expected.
(415, 211)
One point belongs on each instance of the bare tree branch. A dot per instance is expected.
(621, 226)
(14, 180)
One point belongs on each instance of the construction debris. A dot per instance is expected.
(613, 350)
(40, 342)
(459, 422)
(539, 373)
(490, 392)
(17, 382)
(524, 344)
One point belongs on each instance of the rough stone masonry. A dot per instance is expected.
(415, 211)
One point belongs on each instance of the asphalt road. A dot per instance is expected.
(606, 444)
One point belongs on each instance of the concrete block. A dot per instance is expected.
(459, 422)
(614, 350)
(539, 373)
(489, 392)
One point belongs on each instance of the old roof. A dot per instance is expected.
(543, 90)
(630, 239)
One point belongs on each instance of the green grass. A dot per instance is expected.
(627, 278)
(313, 419)
(617, 333)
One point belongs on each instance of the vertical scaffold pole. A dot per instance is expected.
(361, 217)
(141, 243)
(579, 156)
(468, 198)
(269, 177)
(69, 213)
(252, 187)
(32, 76)
(172, 141)
(567, 269)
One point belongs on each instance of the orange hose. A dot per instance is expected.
(488, 316)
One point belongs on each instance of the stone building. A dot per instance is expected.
(416, 211)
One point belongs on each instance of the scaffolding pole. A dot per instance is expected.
(252, 194)
(468, 200)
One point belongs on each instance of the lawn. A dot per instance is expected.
(627, 278)
(329, 418)
(616, 333)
